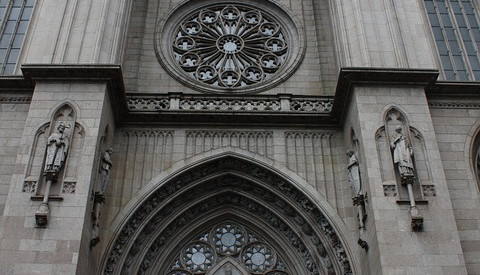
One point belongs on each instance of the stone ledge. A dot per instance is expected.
(407, 202)
(350, 77)
(50, 198)
(111, 74)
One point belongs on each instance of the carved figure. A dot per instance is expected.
(402, 153)
(105, 169)
(57, 150)
(354, 172)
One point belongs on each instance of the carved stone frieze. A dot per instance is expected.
(268, 104)
(429, 190)
(390, 190)
(148, 104)
(306, 105)
(137, 222)
(454, 105)
(29, 186)
(15, 99)
(248, 105)
(69, 187)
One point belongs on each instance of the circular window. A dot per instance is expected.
(233, 47)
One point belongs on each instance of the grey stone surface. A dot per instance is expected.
(291, 129)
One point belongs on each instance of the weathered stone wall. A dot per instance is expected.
(382, 34)
(456, 126)
(437, 248)
(315, 76)
(55, 249)
(13, 113)
(76, 32)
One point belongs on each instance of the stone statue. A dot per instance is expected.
(402, 153)
(105, 170)
(57, 150)
(354, 173)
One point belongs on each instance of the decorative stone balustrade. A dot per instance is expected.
(264, 104)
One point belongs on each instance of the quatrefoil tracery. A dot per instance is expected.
(230, 46)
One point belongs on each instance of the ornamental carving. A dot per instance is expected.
(208, 252)
(226, 103)
(229, 47)
(299, 210)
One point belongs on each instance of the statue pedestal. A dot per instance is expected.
(41, 216)
(416, 223)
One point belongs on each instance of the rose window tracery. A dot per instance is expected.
(229, 46)
(258, 258)
(198, 257)
(228, 240)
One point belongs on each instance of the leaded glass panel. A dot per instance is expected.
(14, 18)
(455, 29)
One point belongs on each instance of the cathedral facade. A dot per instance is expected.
(205, 137)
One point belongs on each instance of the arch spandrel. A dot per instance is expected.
(301, 212)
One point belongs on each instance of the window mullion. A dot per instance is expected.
(463, 51)
(445, 39)
(14, 33)
(3, 25)
(5, 17)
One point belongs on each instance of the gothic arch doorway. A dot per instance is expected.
(227, 216)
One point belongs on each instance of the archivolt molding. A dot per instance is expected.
(209, 208)
(472, 142)
(302, 213)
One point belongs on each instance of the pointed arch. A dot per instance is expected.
(472, 153)
(65, 112)
(312, 227)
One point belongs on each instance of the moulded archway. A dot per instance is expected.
(238, 191)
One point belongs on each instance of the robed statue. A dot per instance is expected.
(402, 153)
(57, 150)
(105, 167)
(354, 172)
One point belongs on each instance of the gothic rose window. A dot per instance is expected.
(228, 242)
(229, 47)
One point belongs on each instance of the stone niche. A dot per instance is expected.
(35, 181)
(390, 175)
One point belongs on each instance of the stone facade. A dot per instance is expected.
(269, 163)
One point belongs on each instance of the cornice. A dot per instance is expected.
(267, 110)
(351, 77)
(112, 74)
